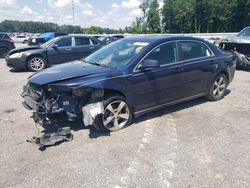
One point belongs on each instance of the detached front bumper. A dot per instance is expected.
(16, 63)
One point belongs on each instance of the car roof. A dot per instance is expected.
(159, 38)
(75, 35)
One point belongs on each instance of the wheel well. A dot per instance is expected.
(225, 73)
(32, 56)
(109, 92)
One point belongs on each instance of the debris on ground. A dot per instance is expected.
(52, 139)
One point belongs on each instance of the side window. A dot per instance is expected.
(94, 42)
(82, 41)
(64, 42)
(191, 50)
(164, 54)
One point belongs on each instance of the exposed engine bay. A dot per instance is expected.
(241, 51)
(51, 103)
(240, 46)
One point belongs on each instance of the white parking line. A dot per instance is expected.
(164, 165)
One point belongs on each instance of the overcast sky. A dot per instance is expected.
(104, 13)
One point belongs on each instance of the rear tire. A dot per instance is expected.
(117, 114)
(3, 52)
(218, 88)
(36, 64)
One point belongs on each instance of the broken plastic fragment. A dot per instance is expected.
(90, 111)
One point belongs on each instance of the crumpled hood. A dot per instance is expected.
(75, 69)
(24, 49)
(237, 39)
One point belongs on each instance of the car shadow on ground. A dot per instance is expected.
(93, 133)
(175, 108)
(19, 71)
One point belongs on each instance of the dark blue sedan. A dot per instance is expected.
(129, 78)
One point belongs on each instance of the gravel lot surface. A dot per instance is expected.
(195, 144)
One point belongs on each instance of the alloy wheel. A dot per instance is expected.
(219, 86)
(37, 64)
(116, 115)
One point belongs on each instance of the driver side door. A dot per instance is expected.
(60, 52)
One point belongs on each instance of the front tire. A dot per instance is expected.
(117, 115)
(36, 64)
(218, 88)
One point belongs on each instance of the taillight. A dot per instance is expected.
(7, 38)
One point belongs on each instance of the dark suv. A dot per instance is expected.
(6, 44)
(56, 51)
(44, 37)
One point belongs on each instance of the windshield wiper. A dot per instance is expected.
(94, 63)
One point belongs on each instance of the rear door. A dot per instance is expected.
(180, 76)
(197, 65)
(83, 46)
(188, 74)
(61, 51)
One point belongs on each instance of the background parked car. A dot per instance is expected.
(6, 44)
(109, 39)
(20, 39)
(59, 50)
(44, 37)
(240, 45)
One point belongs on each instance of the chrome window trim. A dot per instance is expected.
(135, 70)
(174, 65)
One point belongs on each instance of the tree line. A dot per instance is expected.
(175, 16)
(192, 16)
(41, 27)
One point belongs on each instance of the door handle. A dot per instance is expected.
(69, 49)
(178, 69)
(91, 47)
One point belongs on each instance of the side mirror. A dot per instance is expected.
(149, 64)
(54, 46)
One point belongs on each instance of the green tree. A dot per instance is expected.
(153, 17)
(168, 16)
(144, 7)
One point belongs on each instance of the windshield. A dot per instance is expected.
(117, 54)
(49, 43)
(245, 32)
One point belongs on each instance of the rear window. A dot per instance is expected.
(245, 32)
(82, 41)
(1, 36)
(192, 50)
(94, 42)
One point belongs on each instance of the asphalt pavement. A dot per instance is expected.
(194, 144)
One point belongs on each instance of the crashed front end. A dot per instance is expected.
(240, 48)
(52, 103)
